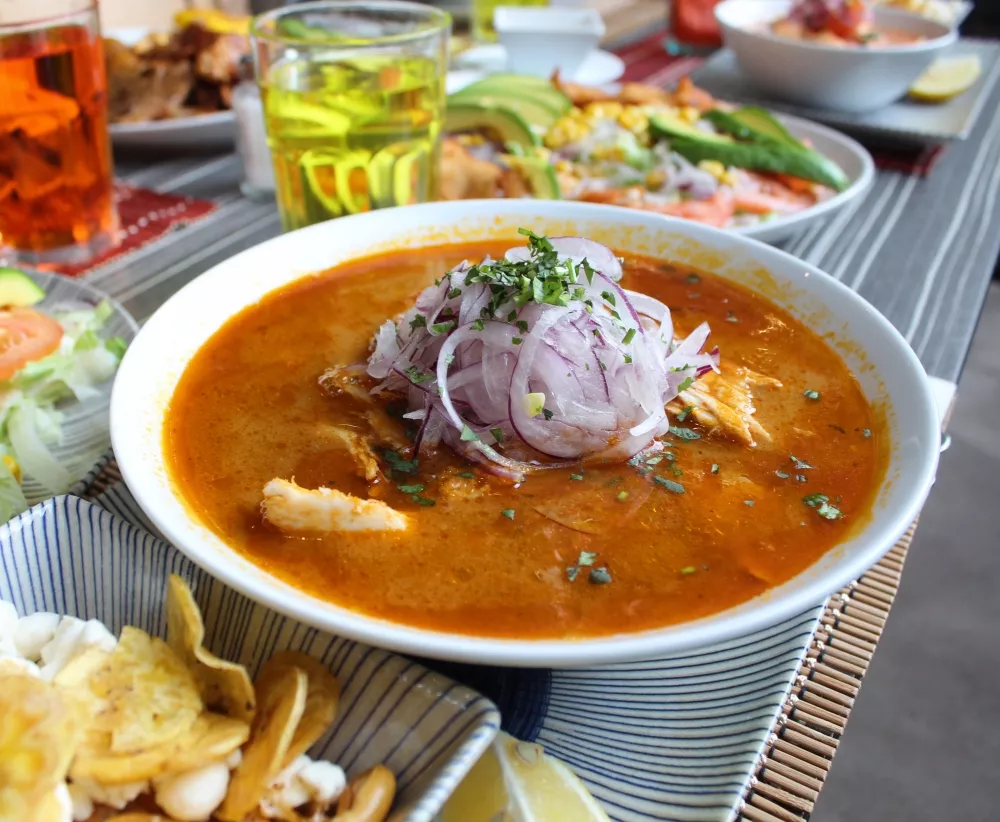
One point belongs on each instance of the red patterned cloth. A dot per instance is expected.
(144, 216)
(647, 61)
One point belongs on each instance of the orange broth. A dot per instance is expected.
(248, 409)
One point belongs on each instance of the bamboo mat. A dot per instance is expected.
(799, 752)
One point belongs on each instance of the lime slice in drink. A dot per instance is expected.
(395, 174)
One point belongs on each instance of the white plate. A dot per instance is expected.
(216, 130)
(600, 67)
(850, 155)
(885, 366)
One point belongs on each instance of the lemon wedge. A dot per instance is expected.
(946, 77)
(517, 781)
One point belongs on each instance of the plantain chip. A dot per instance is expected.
(212, 739)
(322, 698)
(281, 701)
(41, 727)
(225, 686)
(148, 696)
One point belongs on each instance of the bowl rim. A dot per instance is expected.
(948, 35)
(147, 488)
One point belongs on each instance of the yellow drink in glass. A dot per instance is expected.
(353, 114)
(482, 16)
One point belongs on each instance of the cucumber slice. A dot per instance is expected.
(18, 289)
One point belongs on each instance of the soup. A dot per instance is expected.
(755, 472)
(846, 24)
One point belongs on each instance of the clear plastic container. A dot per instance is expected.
(251, 142)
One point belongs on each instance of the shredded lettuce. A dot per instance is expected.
(30, 421)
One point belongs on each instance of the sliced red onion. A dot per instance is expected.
(558, 385)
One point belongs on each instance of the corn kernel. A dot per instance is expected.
(634, 119)
(690, 114)
(608, 109)
(564, 167)
(713, 167)
(655, 179)
(13, 467)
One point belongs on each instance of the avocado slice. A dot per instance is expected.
(499, 122)
(513, 88)
(18, 289)
(539, 175)
(538, 118)
(763, 122)
(761, 155)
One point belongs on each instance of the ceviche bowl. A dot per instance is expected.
(820, 75)
(889, 379)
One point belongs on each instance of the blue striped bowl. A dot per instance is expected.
(75, 558)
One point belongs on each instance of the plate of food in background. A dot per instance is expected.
(681, 153)
(62, 342)
(174, 89)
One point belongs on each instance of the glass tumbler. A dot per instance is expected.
(353, 96)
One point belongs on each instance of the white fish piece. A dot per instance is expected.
(292, 508)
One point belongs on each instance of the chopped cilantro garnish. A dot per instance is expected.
(468, 435)
(547, 414)
(622, 496)
(867, 432)
(522, 326)
(810, 394)
(715, 468)
(478, 325)
(507, 512)
(608, 296)
(442, 328)
(572, 572)
(684, 413)
(629, 336)
(677, 471)
(419, 321)
(455, 292)
(449, 359)
(781, 474)
(748, 503)
(670, 485)
(398, 464)
(692, 278)
(586, 558)
(684, 433)
(416, 376)
(821, 503)
(465, 475)
(576, 476)
(801, 465)
(655, 460)
(517, 340)
(411, 489)
(599, 576)
(684, 386)
(426, 501)
(800, 478)
(628, 359)
(497, 434)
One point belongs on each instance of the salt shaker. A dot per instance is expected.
(251, 139)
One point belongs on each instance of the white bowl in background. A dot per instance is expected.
(822, 76)
(885, 366)
(541, 40)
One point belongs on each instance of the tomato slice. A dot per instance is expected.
(25, 336)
